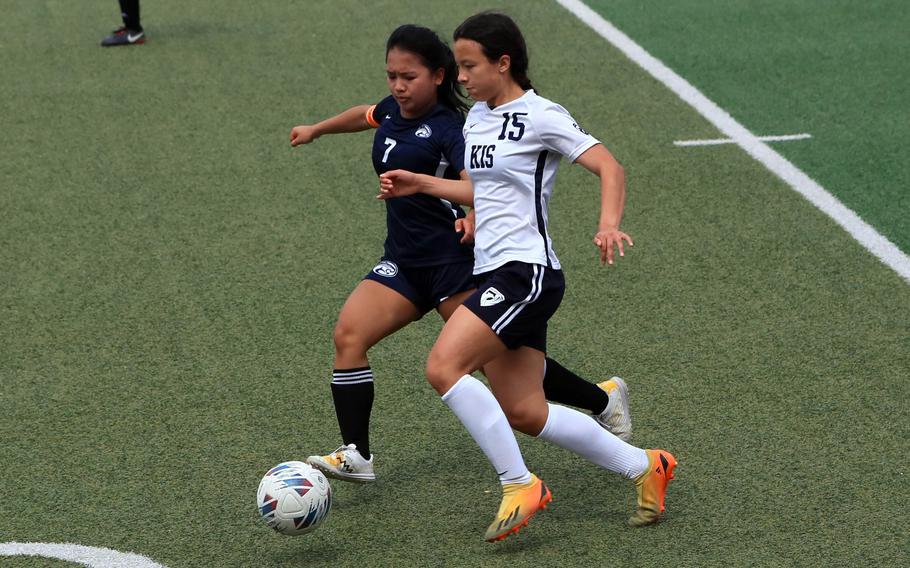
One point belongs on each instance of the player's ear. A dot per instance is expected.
(505, 63)
(439, 76)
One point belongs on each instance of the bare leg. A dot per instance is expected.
(371, 312)
(447, 308)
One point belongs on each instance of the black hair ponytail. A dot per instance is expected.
(435, 54)
(498, 35)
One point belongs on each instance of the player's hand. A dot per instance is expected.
(466, 225)
(303, 134)
(398, 183)
(606, 240)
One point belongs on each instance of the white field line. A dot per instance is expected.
(864, 233)
(91, 556)
(717, 141)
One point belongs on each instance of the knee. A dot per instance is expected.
(441, 374)
(348, 341)
(526, 418)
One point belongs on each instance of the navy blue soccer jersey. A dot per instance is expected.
(421, 228)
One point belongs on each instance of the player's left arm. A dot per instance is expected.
(599, 161)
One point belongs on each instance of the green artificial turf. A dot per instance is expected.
(835, 70)
(170, 273)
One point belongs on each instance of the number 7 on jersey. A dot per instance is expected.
(391, 144)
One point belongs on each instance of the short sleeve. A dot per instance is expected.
(380, 111)
(560, 132)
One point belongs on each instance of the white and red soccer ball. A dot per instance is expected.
(294, 498)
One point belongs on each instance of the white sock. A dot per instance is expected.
(581, 434)
(479, 411)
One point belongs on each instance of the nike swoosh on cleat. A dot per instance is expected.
(131, 38)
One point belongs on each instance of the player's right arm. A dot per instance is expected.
(355, 119)
(467, 224)
(398, 183)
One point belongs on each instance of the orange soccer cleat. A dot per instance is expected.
(519, 503)
(652, 487)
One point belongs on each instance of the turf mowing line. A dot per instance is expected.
(715, 142)
(865, 234)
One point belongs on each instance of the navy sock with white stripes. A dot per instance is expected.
(352, 392)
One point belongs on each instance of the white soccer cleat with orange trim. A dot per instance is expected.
(616, 418)
(345, 464)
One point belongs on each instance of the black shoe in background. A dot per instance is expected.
(124, 36)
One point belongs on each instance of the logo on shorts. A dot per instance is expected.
(386, 268)
(424, 131)
(491, 296)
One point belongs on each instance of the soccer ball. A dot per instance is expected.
(294, 498)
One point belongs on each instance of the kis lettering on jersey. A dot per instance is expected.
(513, 151)
(482, 156)
(491, 296)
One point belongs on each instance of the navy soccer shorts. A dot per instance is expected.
(516, 300)
(424, 286)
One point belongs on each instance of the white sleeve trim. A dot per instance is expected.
(582, 148)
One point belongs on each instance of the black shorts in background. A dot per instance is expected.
(424, 286)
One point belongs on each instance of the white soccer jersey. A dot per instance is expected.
(512, 153)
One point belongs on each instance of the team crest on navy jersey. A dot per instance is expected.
(386, 268)
(424, 131)
(491, 297)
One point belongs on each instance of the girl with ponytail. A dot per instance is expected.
(515, 140)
